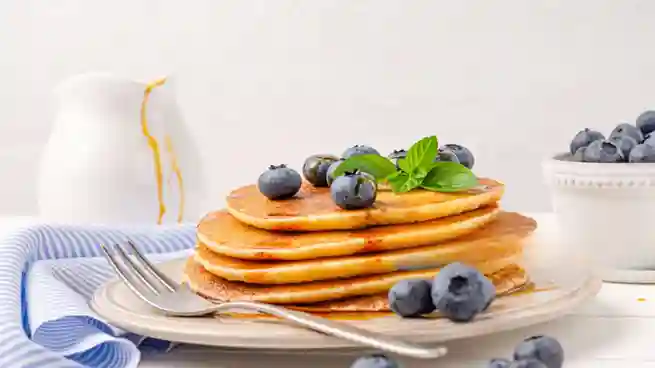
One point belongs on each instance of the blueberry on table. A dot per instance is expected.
(542, 348)
(375, 361)
(527, 363)
(279, 182)
(464, 155)
(445, 154)
(584, 138)
(315, 169)
(329, 175)
(642, 153)
(603, 151)
(460, 292)
(499, 363)
(646, 122)
(625, 143)
(411, 298)
(629, 130)
(354, 190)
(359, 150)
(396, 155)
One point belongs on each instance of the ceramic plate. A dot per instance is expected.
(561, 284)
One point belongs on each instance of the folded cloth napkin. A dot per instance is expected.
(47, 276)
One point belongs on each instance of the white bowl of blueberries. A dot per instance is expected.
(603, 193)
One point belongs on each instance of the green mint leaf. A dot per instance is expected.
(376, 165)
(401, 182)
(449, 177)
(421, 153)
(404, 165)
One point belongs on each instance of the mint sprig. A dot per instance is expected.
(417, 169)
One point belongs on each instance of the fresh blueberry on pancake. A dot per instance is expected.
(315, 169)
(584, 138)
(642, 153)
(603, 151)
(445, 154)
(542, 348)
(375, 361)
(354, 190)
(646, 122)
(629, 130)
(279, 182)
(359, 150)
(499, 363)
(329, 175)
(464, 155)
(396, 155)
(625, 144)
(411, 298)
(527, 363)
(460, 292)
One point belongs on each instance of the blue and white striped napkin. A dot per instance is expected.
(47, 276)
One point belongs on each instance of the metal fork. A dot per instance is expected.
(175, 299)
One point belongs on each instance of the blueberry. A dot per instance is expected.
(329, 175)
(463, 154)
(584, 138)
(460, 292)
(411, 298)
(354, 190)
(625, 143)
(527, 363)
(375, 361)
(650, 139)
(397, 154)
(315, 169)
(499, 363)
(543, 348)
(359, 150)
(646, 122)
(642, 153)
(603, 151)
(279, 182)
(629, 130)
(444, 154)
(579, 154)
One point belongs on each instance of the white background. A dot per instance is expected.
(272, 81)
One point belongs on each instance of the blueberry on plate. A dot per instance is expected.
(445, 154)
(646, 122)
(579, 154)
(375, 361)
(359, 150)
(329, 175)
(584, 138)
(527, 363)
(603, 151)
(315, 169)
(411, 298)
(499, 363)
(460, 292)
(464, 155)
(396, 155)
(642, 153)
(629, 130)
(625, 143)
(542, 348)
(354, 190)
(279, 182)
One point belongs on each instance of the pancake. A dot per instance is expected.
(312, 209)
(501, 238)
(224, 234)
(217, 288)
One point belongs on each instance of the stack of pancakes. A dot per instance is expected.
(306, 253)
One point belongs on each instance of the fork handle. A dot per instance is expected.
(338, 329)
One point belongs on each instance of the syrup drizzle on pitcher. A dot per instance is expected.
(156, 153)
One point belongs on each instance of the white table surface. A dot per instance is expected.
(616, 329)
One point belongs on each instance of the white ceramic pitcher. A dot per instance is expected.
(119, 152)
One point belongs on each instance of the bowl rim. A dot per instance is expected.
(559, 159)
